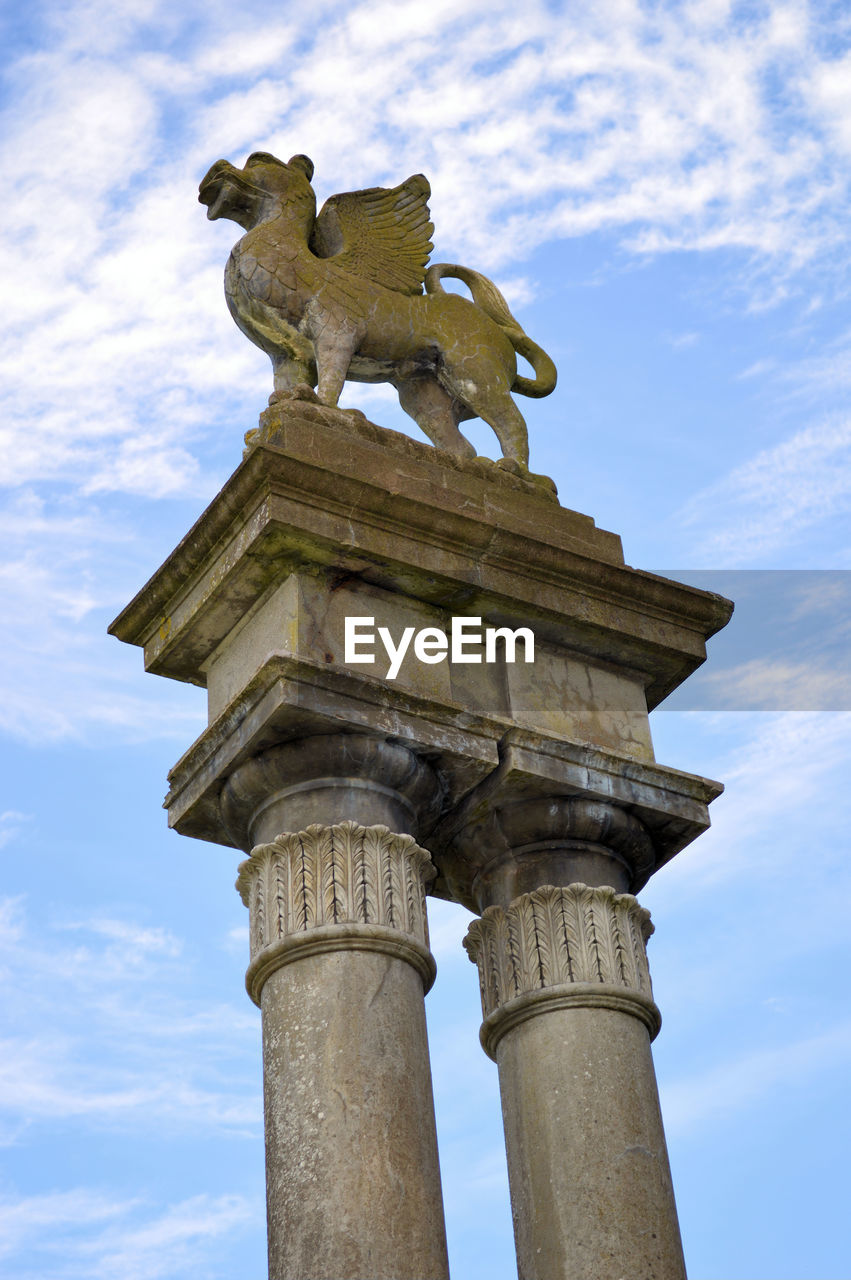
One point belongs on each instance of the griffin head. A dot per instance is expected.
(250, 195)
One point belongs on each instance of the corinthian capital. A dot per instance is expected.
(574, 945)
(332, 887)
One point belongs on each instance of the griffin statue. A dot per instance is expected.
(341, 296)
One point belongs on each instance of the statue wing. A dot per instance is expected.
(381, 234)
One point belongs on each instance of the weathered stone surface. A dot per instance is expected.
(568, 1006)
(329, 777)
(571, 946)
(403, 523)
(253, 603)
(554, 812)
(339, 964)
(353, 1185)
(535, 790)
(591, 1190)
(569, 957)
(340, 296)
(343, 887)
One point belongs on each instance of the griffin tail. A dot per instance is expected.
(488, 297)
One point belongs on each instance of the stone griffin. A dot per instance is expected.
(348, 294)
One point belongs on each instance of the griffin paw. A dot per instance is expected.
(301, 391)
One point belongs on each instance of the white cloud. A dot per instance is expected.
(655, 121)
(236, 940)
(768, 502)
(681, 340)
(823, 374)
(67, 569)
(10, 824)
(124, 1048)
(27, 1218)
(180, 1236)
(770, 813)
(139, 941)
(766, 684)
(661, 125)
(447, 928)
(84, 1235)
(695, 1102)
(758, 369)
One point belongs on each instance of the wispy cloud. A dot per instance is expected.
(660, 122)
(64, 573)
(766, 684)
(24, 1219)
(661, 126)
(84, 1234)
(759, 826)
(680, 341)
(692, 1103)
(124, 1045)
(767, 503)
(10, 824)
(137, 940)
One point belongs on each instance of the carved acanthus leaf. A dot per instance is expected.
(558, 938)
(342, 874)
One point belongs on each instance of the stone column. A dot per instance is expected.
(339, 967)
(568, 1017)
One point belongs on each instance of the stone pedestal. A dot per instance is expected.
(532, 786)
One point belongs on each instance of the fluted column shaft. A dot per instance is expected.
(568, 1017)
(339, 965)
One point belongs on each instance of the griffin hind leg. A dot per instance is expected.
(435, 412)
(492, 402)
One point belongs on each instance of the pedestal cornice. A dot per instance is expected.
(394, 515)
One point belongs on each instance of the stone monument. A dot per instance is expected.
(425, 676)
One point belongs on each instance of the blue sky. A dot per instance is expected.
(661, 190)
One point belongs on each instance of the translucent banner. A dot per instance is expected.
(786, 648)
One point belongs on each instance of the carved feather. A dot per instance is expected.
(551, 911)
(304, 885)
(329, 872)
(503, 981)
(525, 948)
(640, 931)
(381, 234)
(622, 950)
(256, 913)
(561, 907)
(571, 918)
(593, 937)
(280, 875)
(414, 863)
(476, 946)
(539, 903)
(346, 876)
(394, 885)
(605, 912)
(370, 892)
